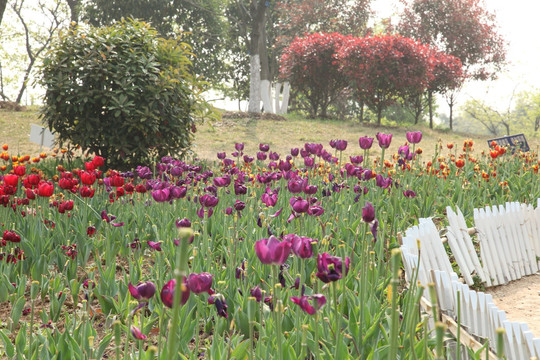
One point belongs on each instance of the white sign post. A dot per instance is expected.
(42, 136)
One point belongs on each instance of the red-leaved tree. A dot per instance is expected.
(448, 76)
(385, 68)
(309, 64)
(461, 28)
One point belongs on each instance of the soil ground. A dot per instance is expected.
(520, 300)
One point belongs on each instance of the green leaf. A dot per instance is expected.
(16, 311)
(8, 346)
(103, 345)
(240, 352)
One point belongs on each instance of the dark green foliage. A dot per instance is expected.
(200, 20)
(120, 92)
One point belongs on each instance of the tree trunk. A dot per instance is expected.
(379, 115)
(266, 79)
(254, 85)
(430, 105)
(74, 8)
(3, 4)
(257, 12)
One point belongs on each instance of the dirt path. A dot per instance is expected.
(520, 300)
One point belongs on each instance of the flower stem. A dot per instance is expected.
(394, 329)
(277, 311)
(337, 322)
(179, 272)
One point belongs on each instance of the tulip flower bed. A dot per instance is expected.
(258, 255)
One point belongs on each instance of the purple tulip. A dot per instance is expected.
(381, 182)
(222, 181)
(315, 210)
(228, 211)
(161, 195)
(341, 145)
(284, 165)
(137, 334)
(109, 218)
(239, 205)
(256, 292)
(221, 306)
(309, 162)
(239, 146)
(330, 268)
(310, 189)
(304, 304)
(221, 155)
(248, 159)
(298, 204)
(184, 223)
(143, 290)
(301, 246)
(295, 151)
(239, 189)
(273, 156)
(143, 172)
(356, 159)
(208, 201)
(414, 137)
(269, 198)
(373, 228)
(261, 156)
(368, 212)
(365, 142)
(296, 186)
(167, 293)
(409, 193)
(264, 147)
(199, 283)
(272, 251)
(228, 162)
(384, 140)
(178, 192)
(154, 245)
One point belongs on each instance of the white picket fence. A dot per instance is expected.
(509, 246)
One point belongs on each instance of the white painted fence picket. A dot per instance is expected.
(509, 240)
(462, 247)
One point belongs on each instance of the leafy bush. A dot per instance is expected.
(121, 92)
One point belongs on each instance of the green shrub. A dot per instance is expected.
(121, 92)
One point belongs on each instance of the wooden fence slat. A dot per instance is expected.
(527, 227)
(531, 221)
(509, 345)
(513, 223)
(536, 343)
(456, 245)
(493, 241)
(506, 228)
(470, 247)
(500, 248)
(496, 222)
(529, 337)
(488, 255)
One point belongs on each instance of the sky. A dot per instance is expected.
(518, 24)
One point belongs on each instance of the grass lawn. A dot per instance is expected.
(280, 134)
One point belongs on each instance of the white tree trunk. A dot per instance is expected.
(276, 97)
(266, 94)
(285, 100)
(255, 85)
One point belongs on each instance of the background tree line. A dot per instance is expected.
(239, 43)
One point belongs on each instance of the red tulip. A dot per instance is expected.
(45, 189)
